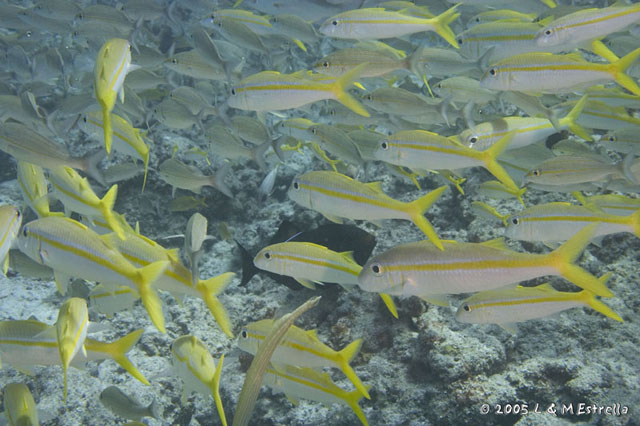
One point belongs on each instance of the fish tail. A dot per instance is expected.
(441, 25)
(117, 351)
(619, 72)
(490, 158)
(345, 356)
(635, 223)
(519, 195)
(217, 180)
(146, 169)
(149, 296)
(209, 289)
(106, 206)
(417, 210)
(339, 89)
(153, 410)
(590, 299)
(563, 258)
(352, 399)
(215, 391)
(248, 268)
(571, 120)
(90, 166)
(108, 131)
(390, 304)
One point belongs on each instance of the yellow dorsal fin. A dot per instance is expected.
(312, 334)
(348, 255)
(545, 287)
(377, 185)
(497, 243)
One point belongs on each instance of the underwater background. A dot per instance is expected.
(424, 367)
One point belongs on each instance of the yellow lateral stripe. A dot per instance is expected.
(49, 344)
(471, 265)
(74, 196)
(480, 38)
(305, 382)
(461, 151)
(293, 345)
(117, 133)
(546, 299)
(587, 66)
(118, 71)
(168, 272)
(517, 131)
(279, 87)
(415, 21)
(600, 19)
(604, 219)
(6, 234)
(85, 319)
(351, 197)
(323, 263)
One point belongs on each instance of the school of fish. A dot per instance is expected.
(173, 97)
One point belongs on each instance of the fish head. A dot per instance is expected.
(10, 221)
(71, 328)
(378, 277)
(388, 151)
(325, 66)
(247, 340)
(208, 21)
(28, 242)
(338, 28)
(237, 99)
(496, 78)
(517, 229)
(466, 313)
(298, 194)
(470, 139)
(550, 36)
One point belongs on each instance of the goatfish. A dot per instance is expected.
(377, 23)
(570, 169)
(587, 24)
(34, 188)
(112, 65)
(126, 406)
(71, 333)
(381, 60)
(196, 367)
(559, 221)
(76, 195)
(127, 139)
(420, 269)
(497, 190)
(610, 203)
(508, 306)
(27, 145)
(309, 263)
(108, 301)
(272, 91)
(307, 383)
(180, 175)
(623, 140)
(10, 221)
(542, 72)
(337, 196)
(526, 130)
(19, 405)
(24, 344)
(72, 249)
(302, 348)
(176, 278)
(419, 149)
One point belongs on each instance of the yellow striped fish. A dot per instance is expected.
(507, 306)
(10, 221)
(302, 348)
(420, 269)
(338, 196)
(548, 73)
(72, 249)
(71, 332)
(112, 65)
(19, 405)
(34, 188)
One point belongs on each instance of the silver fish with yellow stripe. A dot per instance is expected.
(10, 221)
(72, 249)
(71, 331)
(19, 405)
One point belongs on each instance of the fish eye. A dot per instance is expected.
(28, 33)
(492, 71)
(459, 40)
(376, 269)
(466, 307)
(174, 61)
(314, 130)
(369, 97)
(267, 255)
(244, 334)
(325, 64)
(80, 16)
(296, 185)
(536, 172)
(334, 23)
(515, 221)
(611, 138)
(233, 91)
(439, 86)
(473, 140)
(18, 214)
(76, 33)
(384, 145)
(478, 20)
(25, 231)
(548, 32)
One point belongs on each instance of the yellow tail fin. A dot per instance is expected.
(590, 299)
(215, 391)
(635, 223)
(490, 158)
(146, 169)
(209, 289)
(416, 210)
(353, 398)
(149, 296)
(563, 258)
(391, 306)
(619, 75)
(441, 25)
(106, 207)
(571, 120)
(345, 356)
(340, 86)
(117, 351)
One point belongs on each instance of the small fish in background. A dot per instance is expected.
(268, 183)
(108, 301)
(304, 349)
(194, 237)
(112, 65)
(509, 306)
(126, 406)
(71, 331)
(185, 203)
(10, 221)
(19, 405)
(194, 364)
(180, 175)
